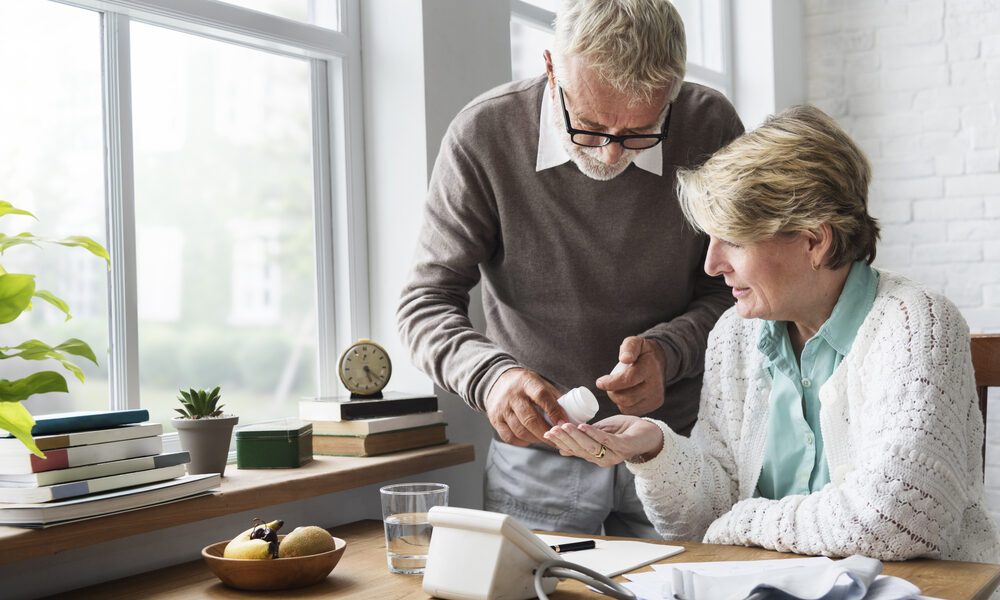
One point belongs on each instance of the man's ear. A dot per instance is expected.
(550, 72)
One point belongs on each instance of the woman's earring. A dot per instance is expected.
(814, 266)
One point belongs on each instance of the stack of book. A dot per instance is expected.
(96, 463)
(360, 427)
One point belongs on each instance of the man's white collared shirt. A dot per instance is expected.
(552, 154)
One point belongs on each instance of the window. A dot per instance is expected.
(325, 13)
(208, 147)
(51, 153)
(530, 34)
(707, 29)
(706, 26)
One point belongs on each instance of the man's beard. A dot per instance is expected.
(587, 159)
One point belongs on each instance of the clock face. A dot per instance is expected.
(365, 368)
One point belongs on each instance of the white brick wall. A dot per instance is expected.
(917, 83)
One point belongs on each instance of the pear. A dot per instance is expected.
(303, 541)
(248, 549)
(242, 546)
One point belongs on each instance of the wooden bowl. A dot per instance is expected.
(272, 574)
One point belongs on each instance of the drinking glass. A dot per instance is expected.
(407, 528)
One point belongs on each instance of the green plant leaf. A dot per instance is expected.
(78, 347)
(39, 350)
(21, 239)
(16, 291)
(54, 301)
(18, 421)
(37, 383)
(199, 403)
(83, 241)
(6, 208)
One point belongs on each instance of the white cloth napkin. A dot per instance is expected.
(852, 578)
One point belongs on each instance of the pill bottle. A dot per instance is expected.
(580, 405)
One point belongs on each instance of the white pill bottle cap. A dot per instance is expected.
(580, 405)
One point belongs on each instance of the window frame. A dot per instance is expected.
(339, 212)
(721, 80)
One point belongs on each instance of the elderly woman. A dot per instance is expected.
(838, 414)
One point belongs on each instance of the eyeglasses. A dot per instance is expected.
(592, 139)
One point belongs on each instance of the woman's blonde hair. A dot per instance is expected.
(793, 173)
(636, 46)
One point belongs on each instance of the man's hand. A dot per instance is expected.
(511, 403)
(637, 390)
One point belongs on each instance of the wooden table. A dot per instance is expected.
(362, 574)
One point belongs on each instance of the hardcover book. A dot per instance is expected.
(344, 408)
(106, 503)
(103, 469)
(378, 424)
(72, 489)
(380, 443)
(13, 446)
(76, 456)
(83, 420)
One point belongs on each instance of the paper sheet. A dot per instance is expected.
(613, 557)
(657, 585)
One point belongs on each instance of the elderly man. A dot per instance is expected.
(558, 194)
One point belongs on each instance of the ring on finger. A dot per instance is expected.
(600, 453)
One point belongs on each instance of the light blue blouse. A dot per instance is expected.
(794, 462)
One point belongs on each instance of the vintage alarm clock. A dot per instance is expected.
(365, 369)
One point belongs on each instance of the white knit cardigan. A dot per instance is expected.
(902, 433)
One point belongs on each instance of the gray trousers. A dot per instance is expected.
(545, 490)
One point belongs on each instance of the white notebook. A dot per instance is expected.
(613, 557)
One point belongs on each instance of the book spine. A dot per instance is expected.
(56, 441)
(82, 422)
(69, 490)
(54, 459)
(385, 408)
(76, 456)
(376, 425)
(171, 459)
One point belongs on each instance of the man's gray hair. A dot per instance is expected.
(636, 46)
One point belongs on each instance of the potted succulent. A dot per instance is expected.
(204, 430)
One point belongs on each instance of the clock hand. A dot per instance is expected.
(368, 372)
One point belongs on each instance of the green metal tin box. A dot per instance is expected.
(284, 444)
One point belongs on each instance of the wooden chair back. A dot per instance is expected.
(986, 364)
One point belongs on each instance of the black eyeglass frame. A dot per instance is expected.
(608, 138)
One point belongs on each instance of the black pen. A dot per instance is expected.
(587, 545)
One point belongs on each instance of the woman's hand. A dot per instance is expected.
(622, 437)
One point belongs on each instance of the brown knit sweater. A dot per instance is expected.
(570, 266)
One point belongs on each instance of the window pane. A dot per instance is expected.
(526, 45)
(703, 29)
(224, 249)
(51, 153)
(324, 13)
(702, 26)
(552, 5)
